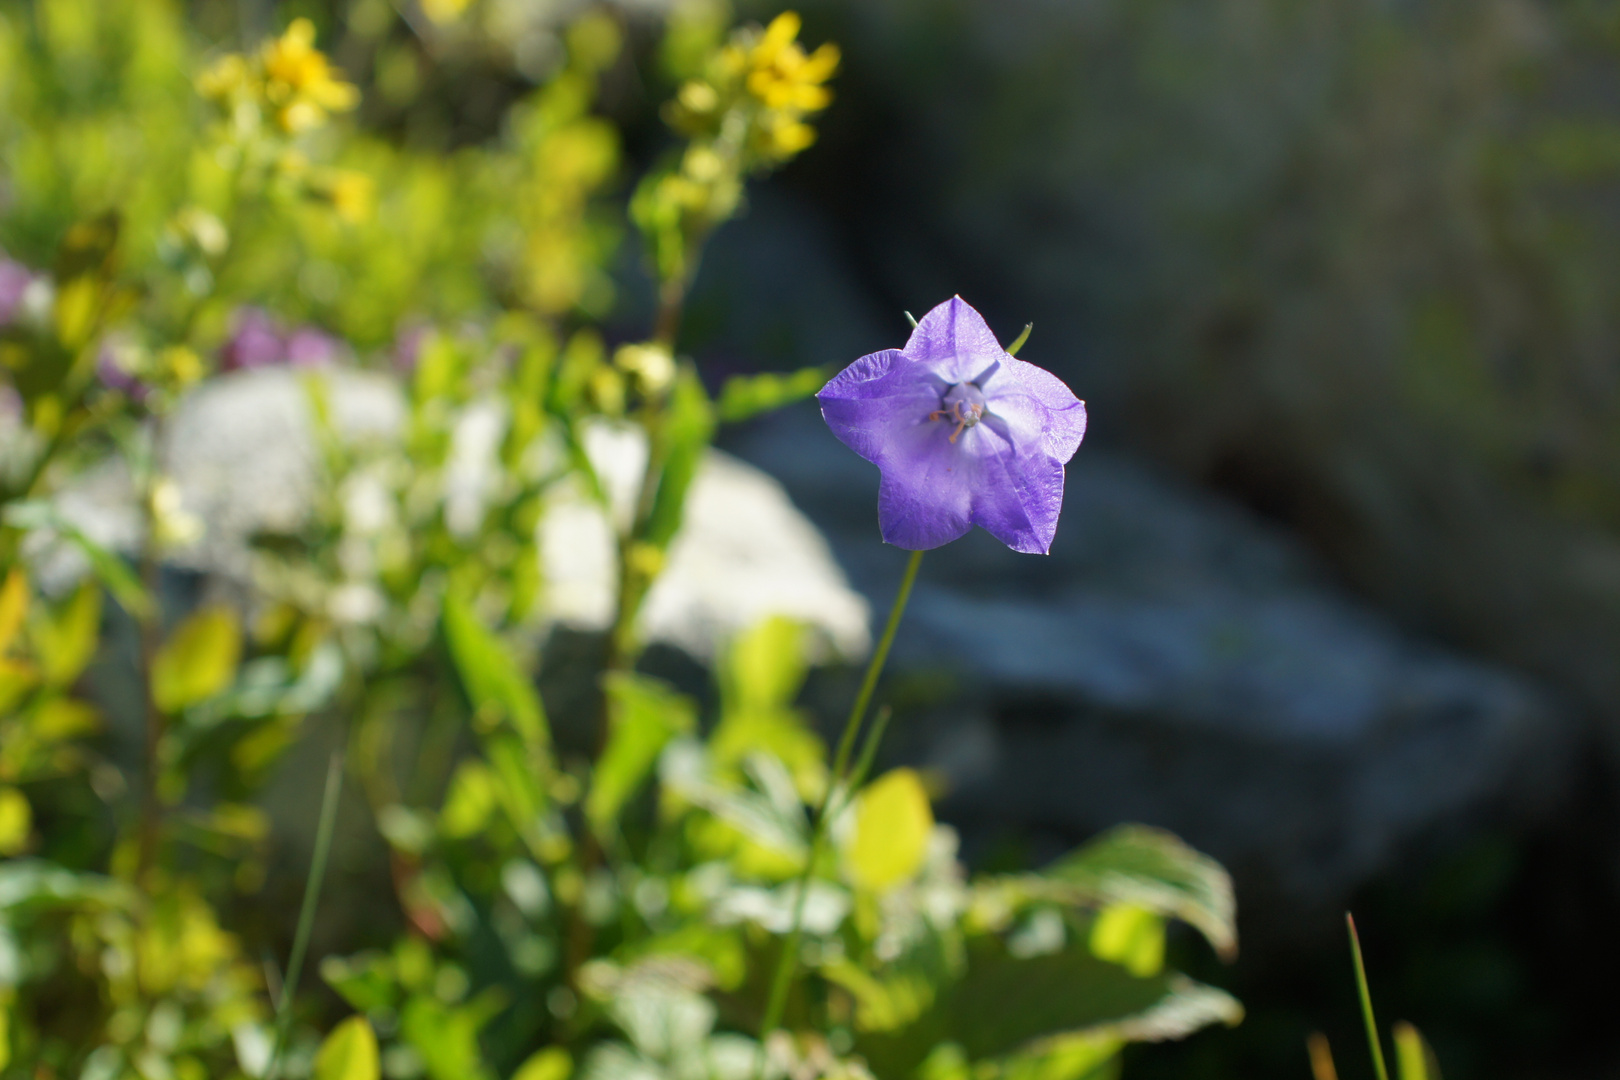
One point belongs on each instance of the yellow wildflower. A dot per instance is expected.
(352, 194)
(300, 83)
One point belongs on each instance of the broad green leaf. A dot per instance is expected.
(198, 660)
(1150, 868)
(13, 606)
(643, 716)
(745, 396)
(1131, 936)
(1413, 1058)
(688, 427)
(1072, 1057)
(551, 1063)
(764, 667)
(446, 1036)
(16, 819)
(5, 1033)
(471, 800)
(349, 1053)
(66, 642)
(892, 824)
(496, 685)
(60, 718)
(1004, 1005)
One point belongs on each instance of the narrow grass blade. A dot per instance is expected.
(1366, 1000)
(306, 910)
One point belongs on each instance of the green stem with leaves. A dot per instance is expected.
(787, 963)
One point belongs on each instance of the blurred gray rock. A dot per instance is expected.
(1176, 661)
(242, 452)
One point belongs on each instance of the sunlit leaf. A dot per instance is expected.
(745, 396)
(67, 641)
(764, 667)
(198, 660)
(1153, 869)
(644, 715)
(469, 802)
(16, 819)
(13, 606)
(892, 824)
(1131, 936)
(446, 1036)
(551, 1063)
(348, 1053)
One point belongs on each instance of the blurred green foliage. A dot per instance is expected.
(607, 906)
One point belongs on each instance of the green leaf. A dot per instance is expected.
(446, 1036)
(892, 824)
(496, 685)
(764, 667)
(473, 796)
(5, 1034)
(1153, 869)
(16, 819)
(365, 980)
(1130, 936)
(745, 396)
(1072, 1057)
(551, 1063)
(688, 427)
(348, 1053)
(1005, 1005)
(643, 716)
(67, 642)
(1413, 1057)
(198, 660)
(13, 606)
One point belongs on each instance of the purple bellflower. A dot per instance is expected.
(964, 434)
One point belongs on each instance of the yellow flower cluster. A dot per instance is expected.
(765, 79)
(290, 79)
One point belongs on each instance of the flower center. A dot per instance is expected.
(963, 403)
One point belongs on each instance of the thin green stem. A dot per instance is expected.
(306, 911)
(1366, 1000)
(787, 963)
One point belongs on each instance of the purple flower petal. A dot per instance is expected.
(964, 434)
(256, 342)
(956, 341)
(1034, 397)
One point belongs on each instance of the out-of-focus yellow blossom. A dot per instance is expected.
(757, 93)
(745, 114)
(300, 83)
(352, 194)
(780, 74)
